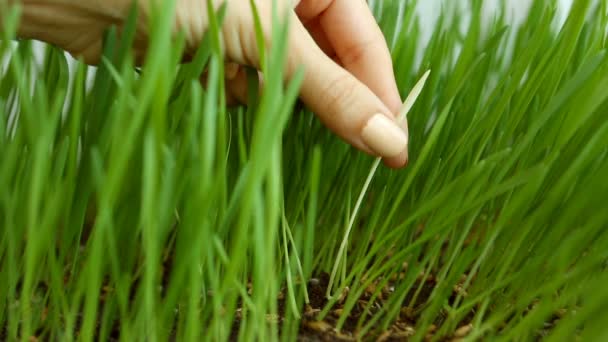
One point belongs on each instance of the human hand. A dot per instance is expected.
(348, 74)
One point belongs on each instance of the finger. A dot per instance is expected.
(365, 55)
(362, 49)
(237, 86)
(318, 34)
(343, 103)
(309, 10)
(235, 82)
(359, 43)
(232, 84)
(401, 160)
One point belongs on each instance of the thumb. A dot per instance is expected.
(343, 103)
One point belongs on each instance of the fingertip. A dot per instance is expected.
(398, 162)
(383, 136)
(402, 159)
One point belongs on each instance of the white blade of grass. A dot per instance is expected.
(412, 97)
(407, 106)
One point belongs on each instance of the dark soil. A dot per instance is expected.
(313, 329)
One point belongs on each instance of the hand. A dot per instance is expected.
(348, 80)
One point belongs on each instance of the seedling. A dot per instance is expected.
(405, 109)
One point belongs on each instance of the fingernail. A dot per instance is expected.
(384, 137)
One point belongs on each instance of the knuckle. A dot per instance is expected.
(356, 53)
(192, 22)
(309, 9)
(339, 93)
(87, 47)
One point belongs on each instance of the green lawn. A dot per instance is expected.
(142, 208)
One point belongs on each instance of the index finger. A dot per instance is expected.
(360, 45)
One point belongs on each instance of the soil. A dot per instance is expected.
(312, 329)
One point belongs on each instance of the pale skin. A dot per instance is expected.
(348, 82)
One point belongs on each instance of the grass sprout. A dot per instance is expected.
(135, 205)
(406, 107)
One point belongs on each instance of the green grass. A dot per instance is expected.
(142, 204)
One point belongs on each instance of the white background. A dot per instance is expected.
(429, 9)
